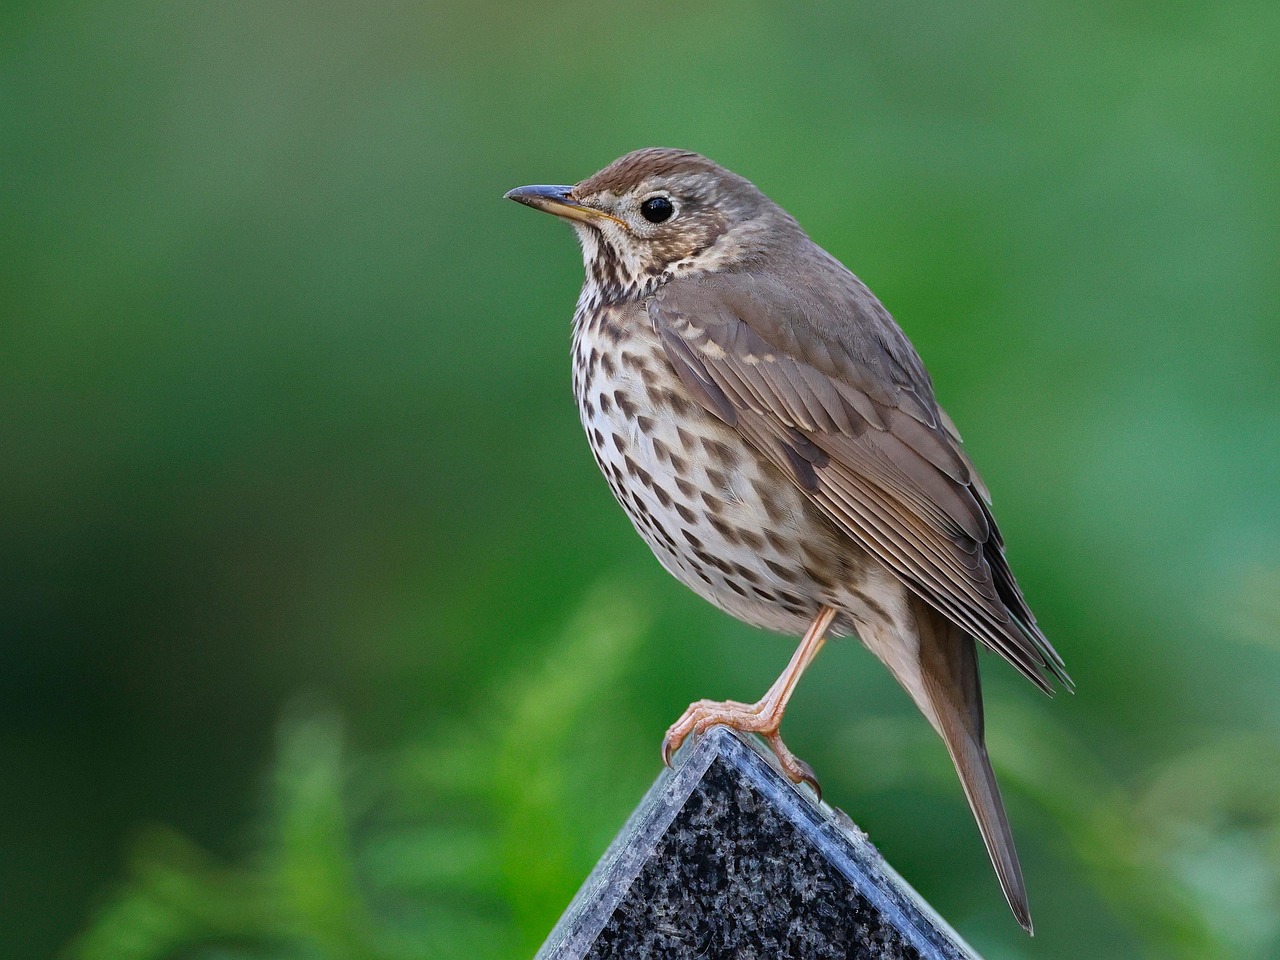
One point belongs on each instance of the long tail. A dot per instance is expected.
(953, 703)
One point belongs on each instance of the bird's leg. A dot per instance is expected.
(765, 715)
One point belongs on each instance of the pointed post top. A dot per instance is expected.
(724, 858)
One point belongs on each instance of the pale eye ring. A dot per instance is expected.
(657, 209)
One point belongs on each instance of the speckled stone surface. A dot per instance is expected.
(724, 858)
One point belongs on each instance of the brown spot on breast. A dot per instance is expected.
(724, 529)
(817, 577)
(779, 544)
(637, 471)
(625, 405)
(816, 558)
(659, 530)
(677, 402)
(768, 498)
(873, 606)
(784, 573)
(722, 453)
(713, 561)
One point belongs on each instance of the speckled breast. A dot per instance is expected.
(720, 518)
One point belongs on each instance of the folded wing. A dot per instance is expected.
(819, 378)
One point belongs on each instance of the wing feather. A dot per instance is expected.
(848, 412)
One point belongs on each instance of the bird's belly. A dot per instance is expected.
(720, 518)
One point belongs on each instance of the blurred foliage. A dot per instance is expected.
(460, 846)
(287, 422)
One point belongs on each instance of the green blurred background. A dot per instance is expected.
(322, 637)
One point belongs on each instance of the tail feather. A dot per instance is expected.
(953, 694)
(979, 782)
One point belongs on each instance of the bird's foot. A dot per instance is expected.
(762, 718)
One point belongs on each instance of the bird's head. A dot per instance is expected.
(658, 213)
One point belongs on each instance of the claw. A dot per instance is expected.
(811, 779)
(670, 745)
(746, 717)
(797, 770)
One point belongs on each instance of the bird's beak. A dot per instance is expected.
(558, 200)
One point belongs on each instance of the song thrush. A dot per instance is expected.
(774, 438)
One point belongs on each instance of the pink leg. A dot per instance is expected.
(764, 716)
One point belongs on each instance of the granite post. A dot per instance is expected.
(724, 858)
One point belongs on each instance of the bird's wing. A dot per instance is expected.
(817, 376)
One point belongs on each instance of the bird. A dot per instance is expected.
(775, 439)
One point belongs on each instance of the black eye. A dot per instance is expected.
(657, 209)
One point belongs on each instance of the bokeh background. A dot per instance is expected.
(322, 637)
